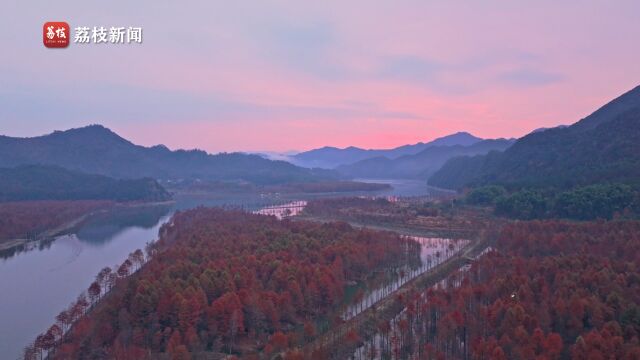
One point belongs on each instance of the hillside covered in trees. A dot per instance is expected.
(420, 165)
(598, 201)
(602, 147)
(224, 282)
(97, 150)
(36, 182)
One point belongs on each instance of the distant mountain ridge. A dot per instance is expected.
(603, 147)
(331, 157)
(421, 165)
(97, 150)
(37, 182)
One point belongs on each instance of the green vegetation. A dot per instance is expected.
(595, 201)
(599, 201)
(486, 195)
(525, 204)
(35, 182)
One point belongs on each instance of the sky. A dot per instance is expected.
(295, 75)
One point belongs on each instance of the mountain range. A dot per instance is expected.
(97, 150)
(331, 157)
(39, 182)
(603, 147)
(421, 165)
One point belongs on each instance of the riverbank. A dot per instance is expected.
(75, 222)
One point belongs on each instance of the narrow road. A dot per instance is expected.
(444, 231)
(332, 344)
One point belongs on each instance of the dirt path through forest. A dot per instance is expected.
(333, 343)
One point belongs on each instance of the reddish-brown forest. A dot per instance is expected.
(228, 282)
(553, 290)
(29, 219)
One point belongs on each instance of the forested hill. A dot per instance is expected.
(97, 150)
(420, 165)
(603, 147)
(35, 182)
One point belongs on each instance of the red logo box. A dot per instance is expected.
(56, 34)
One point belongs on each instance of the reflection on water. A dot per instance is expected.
(433, 251)
(377, 347)
(402, 187)
(104, 227)
(39, 245)
(282, 211)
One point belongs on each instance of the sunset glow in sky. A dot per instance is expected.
(295, 75)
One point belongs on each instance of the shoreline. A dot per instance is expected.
(70, 225)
